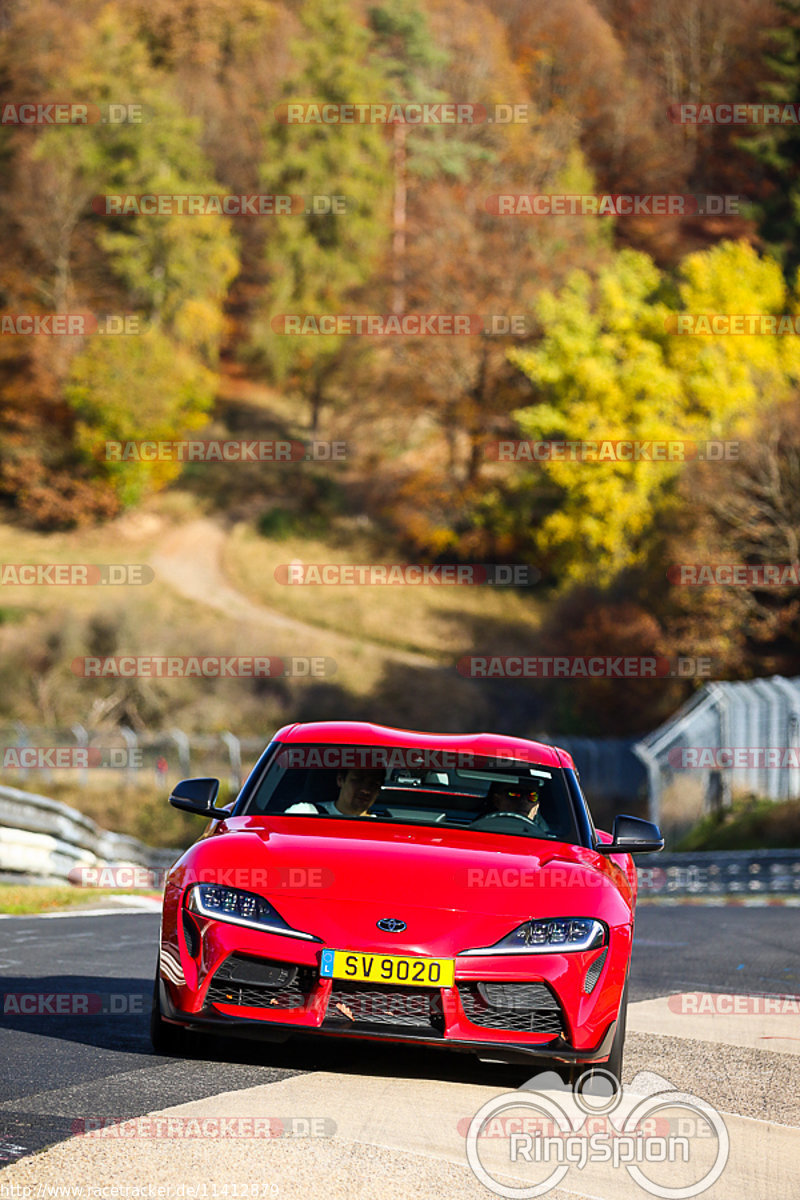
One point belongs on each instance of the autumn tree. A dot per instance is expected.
(316, 260)
(610, 367)
(173, 272)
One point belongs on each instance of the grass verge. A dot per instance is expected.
(750, 824)
(18, 899)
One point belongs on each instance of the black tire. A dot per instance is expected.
(614, 1064)
(599, 1071)
(170, 1040)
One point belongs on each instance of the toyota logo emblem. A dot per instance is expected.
(391, 925)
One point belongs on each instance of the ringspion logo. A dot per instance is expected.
(662, 1137)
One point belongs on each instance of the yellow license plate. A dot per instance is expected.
(387, 968)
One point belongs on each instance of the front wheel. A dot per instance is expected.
(170, 1040)
(595, 1076)
(614, 1064)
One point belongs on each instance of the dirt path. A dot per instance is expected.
(189, 559)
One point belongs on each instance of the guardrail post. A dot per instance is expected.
(719, 794)
(235, 754)
(645, 755)
(82, 738)
(184, 750)
(22, 741)
(132, 744)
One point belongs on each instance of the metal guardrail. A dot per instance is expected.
(721, 873)
(44, 840)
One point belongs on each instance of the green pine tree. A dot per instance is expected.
(316, 261)
(777, 147)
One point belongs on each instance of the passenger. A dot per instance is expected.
(358, 791)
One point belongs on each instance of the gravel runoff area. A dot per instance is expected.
(396, 1139)
(752, 1083)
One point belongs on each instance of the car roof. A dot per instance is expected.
(365, 733)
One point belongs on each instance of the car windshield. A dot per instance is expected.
(413, 786)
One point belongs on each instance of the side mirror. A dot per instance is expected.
(632, 835)
(198, 796)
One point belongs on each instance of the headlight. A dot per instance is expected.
(545, 936)
(239, 908)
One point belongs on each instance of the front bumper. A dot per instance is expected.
(192, 997)
(272, 1030)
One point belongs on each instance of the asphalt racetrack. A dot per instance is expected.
(350, 1119)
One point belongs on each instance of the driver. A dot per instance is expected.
(358, 791)
(519, 798)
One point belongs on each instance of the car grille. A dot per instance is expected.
(524, 1007)
(386, 1008)
(261, 983)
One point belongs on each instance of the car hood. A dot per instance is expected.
(453, 889)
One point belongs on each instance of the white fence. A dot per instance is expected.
(729, 739)
(120, 757)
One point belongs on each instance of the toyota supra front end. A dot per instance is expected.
(378, 883)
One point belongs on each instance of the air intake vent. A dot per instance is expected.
(593, 974)
(261, 983)
(524, 1007)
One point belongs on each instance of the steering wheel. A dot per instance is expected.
(492, 816)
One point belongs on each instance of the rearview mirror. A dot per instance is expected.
(632, 835)
(198, 796)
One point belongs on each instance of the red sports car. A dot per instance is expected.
(408, 887)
